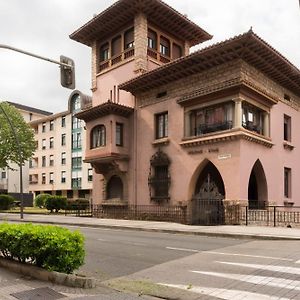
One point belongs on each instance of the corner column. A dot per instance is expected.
(238, 113)
(140, 43)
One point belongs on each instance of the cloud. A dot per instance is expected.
(43, 27)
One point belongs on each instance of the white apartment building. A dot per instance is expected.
(10, 178)
(57, 166)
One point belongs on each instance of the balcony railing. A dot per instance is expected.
(252, 127)
(116, 59)
(158, 56)
(208, 128)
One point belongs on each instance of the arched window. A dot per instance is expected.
(76, 102)
(98, 136)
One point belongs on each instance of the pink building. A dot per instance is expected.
(208, 129)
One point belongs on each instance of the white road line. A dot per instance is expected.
(183, 249)
(262, 280)
(248, 255)
(101, 240)
(224, 293)
(282, 269)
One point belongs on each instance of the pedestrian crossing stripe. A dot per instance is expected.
(225, 294)
(282, 269)
(256, 279)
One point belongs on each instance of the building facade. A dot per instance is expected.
(56, 167)
(168, 127)
(10, 178)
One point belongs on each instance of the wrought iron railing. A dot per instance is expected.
(208, 128)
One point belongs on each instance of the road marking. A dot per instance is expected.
(224, 293)
(255, 279)
(101, 240)
(282, 269)
(182, 249)
(298, 261)
(248, 255)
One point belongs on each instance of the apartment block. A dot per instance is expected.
(57, 166)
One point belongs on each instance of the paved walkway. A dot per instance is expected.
(13, 283)
(257, 232)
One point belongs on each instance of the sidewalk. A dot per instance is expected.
(245, 232)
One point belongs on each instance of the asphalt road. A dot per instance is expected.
(114, 253)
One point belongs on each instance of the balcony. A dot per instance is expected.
(116, 59)
(209, 128)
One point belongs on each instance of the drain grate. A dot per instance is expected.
(38, 294)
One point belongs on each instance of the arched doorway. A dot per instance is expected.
(257, 187)
(207, 202)
(115, 188)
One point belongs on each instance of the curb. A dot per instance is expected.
(171, 231)
(44, 275)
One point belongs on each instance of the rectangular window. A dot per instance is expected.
(90, 174)
(51, 142)
(43, 178)
(63, 139)
(43, 161)
(44, 127)
(76, 123)
(3, 175)
(63, 158)
(51, 161)
(63, 121)
(104, 52)
(287, 182)
(129, 39)
(63, 176)
(287, 128)
(119, 134)
(164, 46)
(51, 178)
(152, 39)
(161, 121)
(76, 140)
(211, 119)
(44, 144)
(76, 162)
(30, 163)
(51, 125)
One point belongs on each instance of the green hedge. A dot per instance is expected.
(80, 203)
(50, 247)
(6, 201)
(55, 203)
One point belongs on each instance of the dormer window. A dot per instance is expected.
(129, 39)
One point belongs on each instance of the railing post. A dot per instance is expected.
(274, 216)
(246, 215)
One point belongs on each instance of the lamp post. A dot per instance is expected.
(20, 158)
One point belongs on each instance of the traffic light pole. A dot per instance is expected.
(36, 56)
(67, 80)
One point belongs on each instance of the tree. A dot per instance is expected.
(9, 148)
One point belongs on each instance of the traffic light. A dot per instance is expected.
(67, 74)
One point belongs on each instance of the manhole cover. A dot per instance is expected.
(38, 294)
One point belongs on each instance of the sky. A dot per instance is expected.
(43, 27)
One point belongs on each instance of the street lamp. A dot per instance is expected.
(20, 160)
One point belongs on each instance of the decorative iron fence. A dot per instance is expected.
(206, 214)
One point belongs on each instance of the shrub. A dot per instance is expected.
(6, 201)
(56, 203)
(80, 203)
(40, 200)
(50, 247)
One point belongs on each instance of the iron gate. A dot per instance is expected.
(207, 205)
